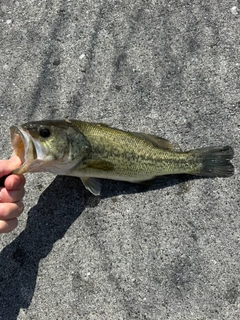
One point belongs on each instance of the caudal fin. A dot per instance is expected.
(215, 161)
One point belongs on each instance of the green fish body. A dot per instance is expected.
(94, 150)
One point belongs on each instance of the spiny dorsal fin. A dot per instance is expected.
(98, 164)
(155, 140)
(102, 124)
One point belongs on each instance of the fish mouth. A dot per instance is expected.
(26, 148)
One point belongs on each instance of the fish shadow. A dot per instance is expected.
(58, 207)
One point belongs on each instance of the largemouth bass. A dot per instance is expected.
(93, 150)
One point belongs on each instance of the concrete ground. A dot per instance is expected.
(165, 67)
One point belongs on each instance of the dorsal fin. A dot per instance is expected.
(155, 140)
(102, 124)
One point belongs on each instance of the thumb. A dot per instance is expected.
(7, 166)
(16, 161)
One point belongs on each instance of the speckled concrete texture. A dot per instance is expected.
(165, 67)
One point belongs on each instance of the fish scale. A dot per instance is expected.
(134, 160)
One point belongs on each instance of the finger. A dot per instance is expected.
(8, 225)
(7, 166)
(10, 210)
(11, 195)
(14, 182)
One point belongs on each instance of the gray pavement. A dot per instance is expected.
(165, 67)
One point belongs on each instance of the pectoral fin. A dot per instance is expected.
(98, 164)
(92, 184)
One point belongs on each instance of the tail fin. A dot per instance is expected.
(215, 161)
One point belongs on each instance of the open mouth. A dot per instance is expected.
(23, 146)
(20, 142)
(31, 151)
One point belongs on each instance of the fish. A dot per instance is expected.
(95, 150)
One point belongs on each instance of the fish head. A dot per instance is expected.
(53, 146)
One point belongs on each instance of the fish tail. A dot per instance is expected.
(214, 161)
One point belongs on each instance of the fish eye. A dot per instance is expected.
(44, 132)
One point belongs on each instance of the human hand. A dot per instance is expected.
(11, 194)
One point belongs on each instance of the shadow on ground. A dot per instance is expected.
(58, 207)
